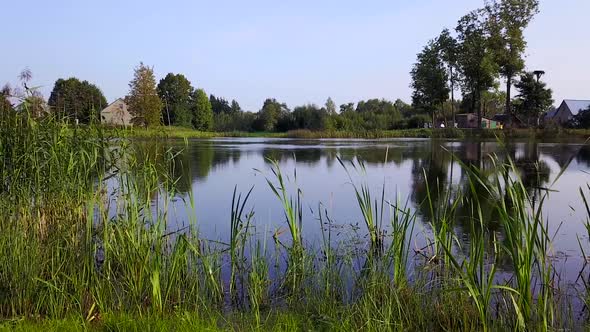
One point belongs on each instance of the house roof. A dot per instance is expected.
(576, 106)
(551, 113)
(107, 110)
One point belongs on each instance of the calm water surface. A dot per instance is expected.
(208, 171)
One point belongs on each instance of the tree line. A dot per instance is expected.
(173, 101)
(487, 45)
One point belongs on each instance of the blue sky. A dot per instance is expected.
(295, 51)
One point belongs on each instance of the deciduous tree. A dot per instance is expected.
(330, 106)
(270, 113)
(76, 99)
(534, 97)
(475, 58)
(143, 100)
(429, 80)
(506, 22)
(202, 111)
(449, 49)
(175, 91)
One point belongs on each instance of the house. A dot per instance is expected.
(116, 114)
(489, 124)
(566, 111)
(469, 120)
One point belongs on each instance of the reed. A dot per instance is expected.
(88, 242)
(372, 210)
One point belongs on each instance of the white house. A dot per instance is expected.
(566, 111)
(116, 114)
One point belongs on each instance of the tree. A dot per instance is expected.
(475, 58)
(346, 108)
(143, 100)
(219, 105)
(202, 111)
(429, 80)
(506, 22)
(270, 113)
(76, 99)
(534, 97)
(493, 101)
(175, 91)
(235, 107)
(310, 117)
(449, 49)
(582, 119)
(330, 106)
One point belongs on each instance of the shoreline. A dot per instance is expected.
(560, 134)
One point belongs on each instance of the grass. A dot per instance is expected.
(86, 243)
(449, 133)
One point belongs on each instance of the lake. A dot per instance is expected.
(404, 169)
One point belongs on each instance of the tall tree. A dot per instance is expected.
(475, 58)
(429, 80)
(310, 117)
(175, 92)
(143, 100)
(202, 111)
(330, 106)
(506, 22)
(270, 113)
(219, 105)
(235, 107)
(449, 49)
(534, 97)
(76, 99)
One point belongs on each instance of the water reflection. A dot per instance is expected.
(434, 164)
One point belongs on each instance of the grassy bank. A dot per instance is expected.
(492, 134)
(87, 243)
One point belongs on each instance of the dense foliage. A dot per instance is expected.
(175, 91)
(202, 111)
(75, 99)
(489, 45)
(534, 98)
(144, 103)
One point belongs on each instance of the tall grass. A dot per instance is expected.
(88, 239)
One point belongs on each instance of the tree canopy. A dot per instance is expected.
(175, 91)
(76, 99)
(219, 105)
(429, 80)
(143, 100)
(506, 22)
(202, 111)
(534, 97)
(475, 58)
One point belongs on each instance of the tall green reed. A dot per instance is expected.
(371, 209)
(293, 212)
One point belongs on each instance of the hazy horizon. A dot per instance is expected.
(298, 53)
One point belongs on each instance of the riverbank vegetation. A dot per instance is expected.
(89, 242)
(529, 134)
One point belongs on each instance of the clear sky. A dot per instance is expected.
(296, 51)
